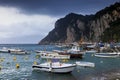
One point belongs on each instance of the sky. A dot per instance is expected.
(29, 21)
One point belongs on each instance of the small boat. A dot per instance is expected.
(108, 55)
(54, 65)
(74, 52)
(108, 52)
(85, 64)
(61, 45)
(4, 50)
(91, 51)
(91, 48)
(17, 51)
(50, 54)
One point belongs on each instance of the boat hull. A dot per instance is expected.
(19, 53)
(107, 55)
(66, 69)
(72, 55)
(53, 55)
(76, 56)
(85, 64)
(4, 51)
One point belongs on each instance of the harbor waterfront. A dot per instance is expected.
(105, 68)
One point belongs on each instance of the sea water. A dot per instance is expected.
(105, 68)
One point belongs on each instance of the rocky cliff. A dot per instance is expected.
(73, 26)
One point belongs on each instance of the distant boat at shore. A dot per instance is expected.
(74, 52)
(108, 55)
(4, 50)
(51, 54)
(13, 51)
(91, 51)
(17, 51)
(108, 52)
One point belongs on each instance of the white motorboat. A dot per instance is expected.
(90, 48)
(74, 52)
(109, 55)
(85, 64)
(17, 51)
(55, 67)
(4, 50)
(52, 55)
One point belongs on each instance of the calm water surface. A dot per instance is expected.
(103, 66)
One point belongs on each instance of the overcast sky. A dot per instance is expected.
(28, 21)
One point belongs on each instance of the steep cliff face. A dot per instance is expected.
(73, 27)
(103, 19)
(112, 33)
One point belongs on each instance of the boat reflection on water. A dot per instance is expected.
(51, 76)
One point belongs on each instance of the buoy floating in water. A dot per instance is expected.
(35, 63)
(2, 59)
(17, 66)
(14, 58)
(37, 56)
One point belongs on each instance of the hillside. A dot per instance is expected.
(73, 26)
(112, 33)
